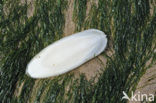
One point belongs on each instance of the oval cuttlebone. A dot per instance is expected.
(67, 53)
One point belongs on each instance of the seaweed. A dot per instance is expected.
(79, 13)
(23, 37)
(129, 26)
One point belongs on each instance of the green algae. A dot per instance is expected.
(23, 37)
(131, 33)
(79, 13)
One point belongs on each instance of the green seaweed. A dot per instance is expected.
(129, 26)
(23, 37)
(79, 13)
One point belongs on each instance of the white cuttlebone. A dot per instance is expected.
(67, 53)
